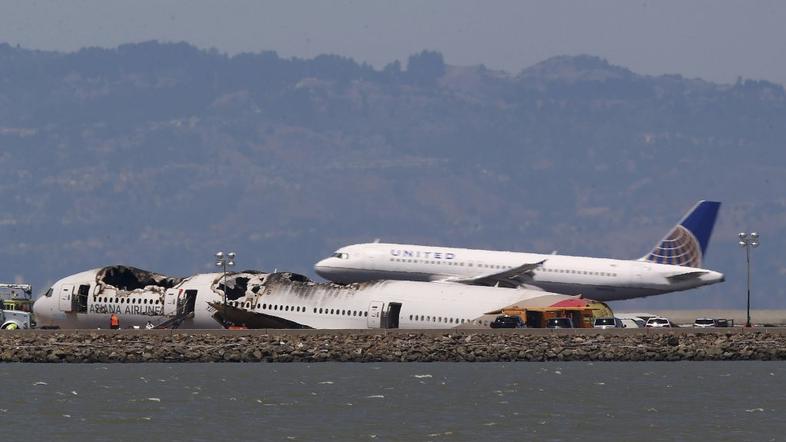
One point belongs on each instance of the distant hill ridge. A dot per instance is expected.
(159, 154)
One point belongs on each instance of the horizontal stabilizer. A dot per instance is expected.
(687, 275)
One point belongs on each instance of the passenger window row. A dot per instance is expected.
(503, 267)
(445, 320)
(577, 272)
(144, 301)
(298, 309)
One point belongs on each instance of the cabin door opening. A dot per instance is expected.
(190, 303)
(65, 302)
(374, 319)
(391, 315)
(80, 300)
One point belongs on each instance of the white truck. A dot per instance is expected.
(16, 306)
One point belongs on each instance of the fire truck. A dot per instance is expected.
(16, 310)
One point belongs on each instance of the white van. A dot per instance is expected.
(632, 323)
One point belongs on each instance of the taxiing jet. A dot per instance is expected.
(675, 263)
(275, 300)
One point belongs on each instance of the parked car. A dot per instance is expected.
(507, 321)
(559, 323)
(604, 323)
(632, 323)
(705, 322)
(657, 322)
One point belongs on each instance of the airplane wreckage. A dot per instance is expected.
(253, 299)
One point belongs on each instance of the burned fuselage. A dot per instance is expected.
(137, 297)
(287, 300)
(272, 300)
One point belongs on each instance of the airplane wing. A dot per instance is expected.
(686, 275)
(505, 278)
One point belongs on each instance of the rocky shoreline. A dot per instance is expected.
(388, 346)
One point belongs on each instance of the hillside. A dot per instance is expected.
(158, 155)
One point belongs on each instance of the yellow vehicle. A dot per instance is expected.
(581, 312)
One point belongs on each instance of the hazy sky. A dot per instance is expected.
(716, 40)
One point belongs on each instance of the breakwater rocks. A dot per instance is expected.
(388, 346)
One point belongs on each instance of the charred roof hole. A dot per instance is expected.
(294, 277)
(235, 287)
(132, 278)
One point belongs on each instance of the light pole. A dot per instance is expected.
(225, 261)
(747, 241)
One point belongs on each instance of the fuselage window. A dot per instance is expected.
(365, 313)
(410, 317)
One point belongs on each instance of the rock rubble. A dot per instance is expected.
(400, 346)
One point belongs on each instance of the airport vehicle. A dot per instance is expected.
(704, 323)
(631, 323)
(15, 310)
(609, 322)
(582, 313)
(658, 322)
(673, 264)
(272, 300)
(559, 323)
(506, 321)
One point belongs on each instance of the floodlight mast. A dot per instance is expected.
(748, 241)
(225, 261)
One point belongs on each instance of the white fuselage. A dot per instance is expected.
(601, 279)
(416, 305)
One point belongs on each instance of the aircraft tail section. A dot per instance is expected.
(686, 243)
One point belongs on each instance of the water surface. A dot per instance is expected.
(415, 401)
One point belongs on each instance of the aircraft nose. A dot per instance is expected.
(322, 268)
(40, 306)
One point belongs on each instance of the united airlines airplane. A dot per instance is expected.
(675, 263)
(275, 300)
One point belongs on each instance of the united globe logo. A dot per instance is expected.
(679, 247)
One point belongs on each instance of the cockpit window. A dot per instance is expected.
(340, 255)
(48, 293)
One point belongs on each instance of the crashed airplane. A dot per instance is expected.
(274, 300)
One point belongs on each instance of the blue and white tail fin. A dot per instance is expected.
(686, 244)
